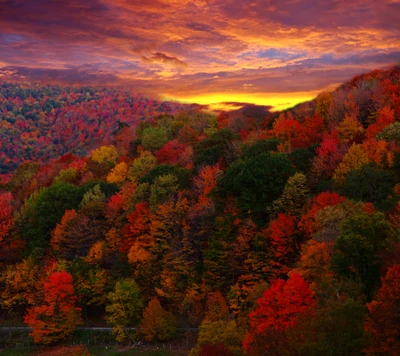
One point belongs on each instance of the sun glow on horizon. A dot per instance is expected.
(234, 101)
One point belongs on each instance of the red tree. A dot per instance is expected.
(308, 223)
(277, 310)
(170, 152)
(285, 242)
(57, 317)
(384, 322)
(6, 218)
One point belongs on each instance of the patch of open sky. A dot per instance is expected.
(11, 37)
(275, 53)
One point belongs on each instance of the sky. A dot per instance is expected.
(265, 52)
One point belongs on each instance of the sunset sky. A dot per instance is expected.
(266, 52)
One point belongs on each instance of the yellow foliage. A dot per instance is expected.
(141, 165)
(157, 323)
(105, 154)
(349, 128)
(353, 159)
(227, 333)
(20, 284)
(118, 173)
(324, 101)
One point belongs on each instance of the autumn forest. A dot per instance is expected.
(273, 234)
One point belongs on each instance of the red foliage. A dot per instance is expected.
(307, 223)
(278, 309)
(214, 350)
(310, 133)
(41, 132)
(368, 208)
(222, 120)
(385, 118)
(64, 351)
(284, 240)
(6, 218)
(57, 317)
(328, 146)
(329, 155)
(170, 152)
(287, 128)
(207, 179)
(115, 206)
(300, 135)
(384, 322)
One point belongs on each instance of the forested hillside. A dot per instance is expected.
(272, 236)
(40, 122)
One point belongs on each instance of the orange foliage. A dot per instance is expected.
(353, 159)
(57, 317)
(137, 235)
(96, 253)
(61, 234)
(207, 178)
(137, 227)
(380, 152)
(314, 262)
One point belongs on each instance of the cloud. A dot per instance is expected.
(162, 58)
(177, 48)
(62, 76)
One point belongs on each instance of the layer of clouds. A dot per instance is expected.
(188, 48)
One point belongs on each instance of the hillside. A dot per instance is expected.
(40, 122)
(276, 233)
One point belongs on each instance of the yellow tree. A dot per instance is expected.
(157, 323)
(349, 128)
(118, 173)
(125, 305)
(353, 159)
(105, 154)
